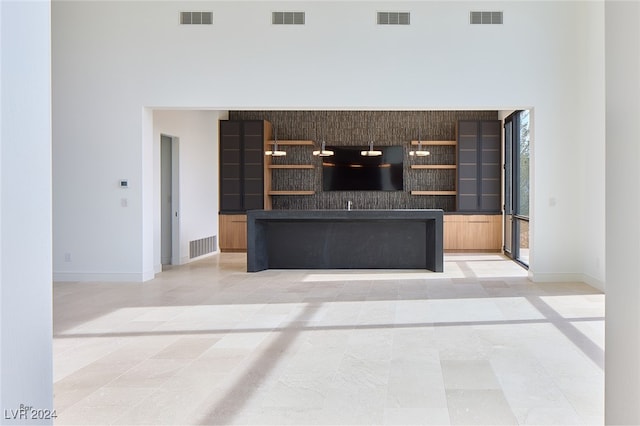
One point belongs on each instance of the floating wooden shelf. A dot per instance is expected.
(291, 142)
(434, 166)
(291, 166)
(433, 192)
(291, 192)
(433, 143)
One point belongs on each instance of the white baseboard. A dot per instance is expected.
(563, 277)
(567, 277)
(185, 260)
(103, 276)
(594, 282)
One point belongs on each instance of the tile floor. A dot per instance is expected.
(207, 343)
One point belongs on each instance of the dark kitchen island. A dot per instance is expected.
(341, 239)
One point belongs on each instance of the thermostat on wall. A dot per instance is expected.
(124, 183)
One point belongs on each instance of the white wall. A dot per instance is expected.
(25, 210)
(197, 132)
(137, 56)
(622, 368)
(592, 109)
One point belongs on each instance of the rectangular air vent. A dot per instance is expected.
(485, 18)
(287, 18)
(202, 246)
(394, 18)
(196, 18)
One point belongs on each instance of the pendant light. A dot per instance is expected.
(275, 152)
(323, 151)
(371, 152)
(419, 152)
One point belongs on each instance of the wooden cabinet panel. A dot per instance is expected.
(473, 232)
(233, 232)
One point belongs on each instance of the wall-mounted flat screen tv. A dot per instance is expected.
(348, 170)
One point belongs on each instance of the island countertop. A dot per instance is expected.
(338, 239)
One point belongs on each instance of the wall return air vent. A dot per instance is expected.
(394, 18)
(287, 18)
(202, 246)
(196, 18)
(485, 18)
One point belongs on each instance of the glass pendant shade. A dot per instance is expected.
(275, 152)
(419, 152)
(371, 152)
(323, 151)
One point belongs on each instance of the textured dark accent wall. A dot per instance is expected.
(358, 128)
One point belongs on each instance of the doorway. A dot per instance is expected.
(169, 196)
(516, 186)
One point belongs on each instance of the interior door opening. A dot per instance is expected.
(169, 195)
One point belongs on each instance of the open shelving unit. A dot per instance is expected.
(270, 168)
(422, 167)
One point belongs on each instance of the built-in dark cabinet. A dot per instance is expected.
(479, 166)
(241, 165)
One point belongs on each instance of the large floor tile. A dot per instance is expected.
(208, 343)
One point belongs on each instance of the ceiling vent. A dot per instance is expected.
(485, 18)
(394, 18)
(287, 18)
(196, 18)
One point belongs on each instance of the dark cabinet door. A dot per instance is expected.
(241, 165)
(231, 187)
(468, 166)
(253, 167)
(491, 161)
(479, 166)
